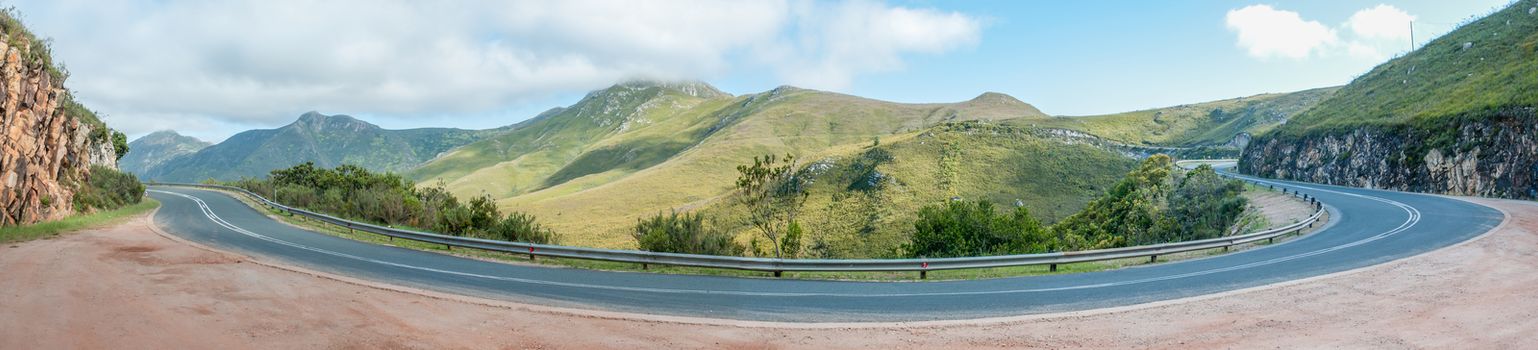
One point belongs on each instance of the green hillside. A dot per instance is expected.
(1201, 124)
(626, 127)
(638, 148)
(149, 152)
(863, 202)
(1484, 65)
(326, 140)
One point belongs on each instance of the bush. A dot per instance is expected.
(354, 192)
(683, 233)
(973, 228)
(520, 227)
(108, 189)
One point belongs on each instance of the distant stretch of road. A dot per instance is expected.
(1367, 227)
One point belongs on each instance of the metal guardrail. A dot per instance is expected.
(777, 266)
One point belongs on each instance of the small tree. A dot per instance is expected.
(119, 144)
(773, 192)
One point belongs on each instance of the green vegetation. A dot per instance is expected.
(686, 233)
(108, 189)
(1471, 73)
(327, 141)
(639, 148)
(119, 144)
(1202, 124)
(864, 204)
(773, 192)
(1155, 203)
(388, 199)
(76, 222)
(974, 228)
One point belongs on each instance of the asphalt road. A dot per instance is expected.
(1367, 227)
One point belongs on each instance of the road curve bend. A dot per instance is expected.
(1367, 227)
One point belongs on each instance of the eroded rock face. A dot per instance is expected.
(1490, 157)
(44, 154)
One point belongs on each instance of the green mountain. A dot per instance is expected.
(638, 148)
(150, 151)
(1457, 116)
(326, 140)
(1216, 123)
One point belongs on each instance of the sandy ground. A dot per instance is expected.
(128, 287)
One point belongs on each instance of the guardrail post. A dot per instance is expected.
(778, 273)
(923, 274)
(1153, 258)
(643, 266)
(1052, 268)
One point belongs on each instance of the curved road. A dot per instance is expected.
(1367, 227)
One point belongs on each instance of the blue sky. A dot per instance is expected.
(210, 69)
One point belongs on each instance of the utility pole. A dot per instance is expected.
(1412, 35)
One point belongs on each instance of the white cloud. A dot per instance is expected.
(835, 44)
(1371, 34)
(1381, 22)
(1268, 32)
(259, 62)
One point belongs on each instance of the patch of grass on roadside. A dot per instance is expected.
(75, 223)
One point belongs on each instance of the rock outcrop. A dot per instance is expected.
(44, 152)
(1490, 156)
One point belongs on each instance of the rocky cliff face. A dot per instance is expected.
(44, 153)
(1493, 156)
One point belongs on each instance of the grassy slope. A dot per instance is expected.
(74, 223)
(1440, 79)
(1200, 124)
(864, 199)
(592, 185)
(620, 129)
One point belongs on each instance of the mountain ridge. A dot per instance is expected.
(328, 140)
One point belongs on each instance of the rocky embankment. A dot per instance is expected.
(1494, 156)
(44, 152)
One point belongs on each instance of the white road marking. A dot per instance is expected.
(1414, 217)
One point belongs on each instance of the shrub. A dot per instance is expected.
(683, 233)
(520, 227)
(790, 244)
(108, 189)
(973, 228)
